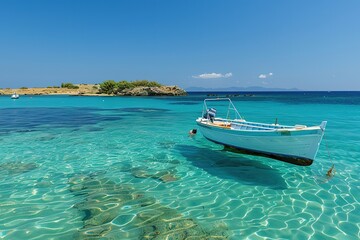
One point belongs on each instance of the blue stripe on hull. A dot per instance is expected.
(260, 133)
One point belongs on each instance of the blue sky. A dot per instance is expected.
(309, 45)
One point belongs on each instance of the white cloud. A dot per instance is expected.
(213, 75)
(227, 75)
(264, 76)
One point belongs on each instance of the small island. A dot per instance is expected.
(106, 88)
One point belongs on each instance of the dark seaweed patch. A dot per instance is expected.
(143, 110)
(185, 103)
(94, 129)
(28, 119)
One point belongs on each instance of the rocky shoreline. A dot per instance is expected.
(93, 90)
(153, 91)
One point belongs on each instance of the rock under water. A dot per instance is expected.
(104, 200)
(164, 175)
(17, 167)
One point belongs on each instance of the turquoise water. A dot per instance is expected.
(125, 168)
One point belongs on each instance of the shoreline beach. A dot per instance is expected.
(93, 90)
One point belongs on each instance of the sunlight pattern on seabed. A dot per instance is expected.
(126, 168)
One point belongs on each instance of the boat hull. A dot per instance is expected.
(297, 147)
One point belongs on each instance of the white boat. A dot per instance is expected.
(293, 144)
(15, 96)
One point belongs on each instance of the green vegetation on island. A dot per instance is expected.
(112, 87)
(69, 86)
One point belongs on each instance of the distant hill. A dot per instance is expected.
(238, 89)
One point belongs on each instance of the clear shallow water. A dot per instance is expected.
(125, 168)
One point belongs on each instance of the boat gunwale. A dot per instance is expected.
(280, 128)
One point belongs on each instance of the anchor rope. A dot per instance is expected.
(329, 172)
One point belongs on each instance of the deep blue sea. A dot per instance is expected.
(126, 168)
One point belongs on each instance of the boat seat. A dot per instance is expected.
(222, 124)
